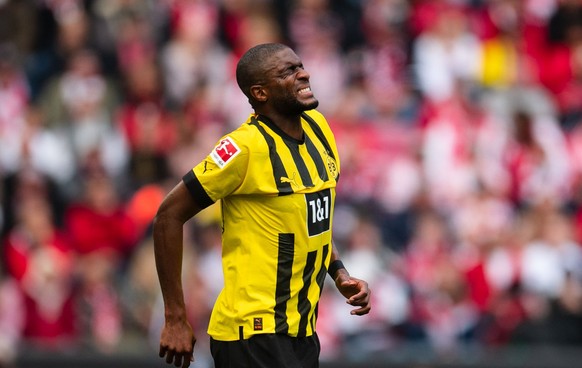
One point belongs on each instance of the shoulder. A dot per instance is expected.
(239, 142)
(245, 136)
(317, 121)
(315, 115)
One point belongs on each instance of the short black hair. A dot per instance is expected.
(250, 69)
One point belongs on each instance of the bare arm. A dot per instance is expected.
(177, 339)
(355, 290)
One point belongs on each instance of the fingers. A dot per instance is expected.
(361, 297)
(182, 360)
(364, 305)
(361, 311)
(356, 290)
(177, 343)
(169, 356)
(187, 359)
(178, 360)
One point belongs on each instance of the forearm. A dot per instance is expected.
(168, 231)
(168, 248)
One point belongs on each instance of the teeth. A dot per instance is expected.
(303, 90)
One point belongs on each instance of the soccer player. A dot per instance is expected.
(275, 176)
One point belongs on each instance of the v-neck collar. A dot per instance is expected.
(278, 130)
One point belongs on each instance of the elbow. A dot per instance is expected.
(175, 210)
(157, 224)
(169, 215)
(157, 221)
(161, 219)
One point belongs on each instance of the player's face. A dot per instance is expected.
(290, 92)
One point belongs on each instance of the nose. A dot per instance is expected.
(303, 74)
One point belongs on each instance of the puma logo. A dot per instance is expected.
(291, 181)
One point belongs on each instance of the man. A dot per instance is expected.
(275, 176)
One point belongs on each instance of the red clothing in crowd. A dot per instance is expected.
(91, 230)
(43, 272)
(148, 127)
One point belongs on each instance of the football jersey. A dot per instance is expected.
(277, 199)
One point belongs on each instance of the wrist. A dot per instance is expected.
(334, 268)
(176, 315)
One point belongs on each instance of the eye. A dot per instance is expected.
(298, 67)
(292, 69)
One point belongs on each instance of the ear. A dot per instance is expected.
(259, 93)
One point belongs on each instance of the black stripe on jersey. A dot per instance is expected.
(316, 157)
(278, 168)
(320, 278)
(298, 160)
(313, 321)
(304, 305)
(283, 288)
(196, 190)
(322, 270)
(319, 133)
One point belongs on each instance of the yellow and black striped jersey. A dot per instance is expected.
(277, 198)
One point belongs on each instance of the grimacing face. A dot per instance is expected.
(288, 84)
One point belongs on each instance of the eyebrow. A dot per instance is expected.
(284, 66)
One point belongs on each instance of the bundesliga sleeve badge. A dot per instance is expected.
(224, 151)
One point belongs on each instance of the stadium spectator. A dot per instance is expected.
(149, 128)
(12, 318)
(446, 55)
(39, 257)
(79, 104)
(103, 237)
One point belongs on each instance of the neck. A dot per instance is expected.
(290, 124)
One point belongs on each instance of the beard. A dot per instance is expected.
(290, 105)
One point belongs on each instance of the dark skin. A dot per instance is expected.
(282, 98)
(285, 94)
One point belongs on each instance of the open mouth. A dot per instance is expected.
(304, 90)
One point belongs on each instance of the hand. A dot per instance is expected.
(177, 344)
(356, 291)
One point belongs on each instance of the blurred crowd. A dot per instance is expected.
(459, 125)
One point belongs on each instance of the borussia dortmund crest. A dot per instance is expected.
(331, 166)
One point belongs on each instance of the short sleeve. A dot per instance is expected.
(223, 170)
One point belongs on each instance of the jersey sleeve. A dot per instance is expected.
(220, 173)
